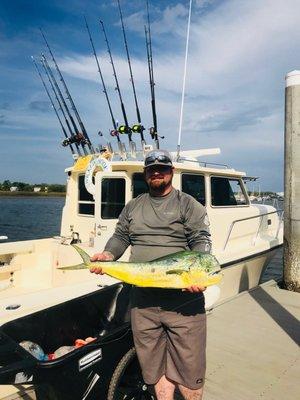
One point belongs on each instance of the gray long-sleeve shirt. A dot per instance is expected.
(158, 226)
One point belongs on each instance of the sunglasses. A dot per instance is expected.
(160, 158)
(159, 168)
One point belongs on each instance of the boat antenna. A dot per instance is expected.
(123, 129)
(114, 132)
(52, 103)
(78, 138)
(184, 79)
(137, 128)
(88, 142)
(153, 129)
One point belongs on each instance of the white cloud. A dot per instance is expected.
(239, 54)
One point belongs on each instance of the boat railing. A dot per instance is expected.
(279, 212)
(205, 163)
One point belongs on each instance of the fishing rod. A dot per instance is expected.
(78, 137)
(123, 129)
(137, 128)
(114, 132)
(53, 105)
(88, 142)
(75, 138)
(153, 130)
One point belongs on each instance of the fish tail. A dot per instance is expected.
(73, 267)
(85, 257)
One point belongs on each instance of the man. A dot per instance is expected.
(169, 326)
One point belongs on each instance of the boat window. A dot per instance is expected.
(112, 197)
(227, 192)
(139, 186)
(86, 203)
(194, 185)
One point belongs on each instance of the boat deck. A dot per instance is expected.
(253, 347)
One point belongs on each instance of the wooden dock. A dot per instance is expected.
(253, 346)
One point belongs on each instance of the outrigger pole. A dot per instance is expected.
(137, 128)
(123, 129)
(53, 105)
(78, 138)
(115, 132)
(88, 142)
(184, 78)
(153, 130)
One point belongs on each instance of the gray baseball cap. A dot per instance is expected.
(158, 157)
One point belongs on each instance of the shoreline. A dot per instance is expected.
(31, 194)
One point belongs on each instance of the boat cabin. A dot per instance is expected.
(236, 224)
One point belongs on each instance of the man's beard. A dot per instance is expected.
(158, 184)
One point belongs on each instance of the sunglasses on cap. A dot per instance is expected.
(161, 158)
(158, 168)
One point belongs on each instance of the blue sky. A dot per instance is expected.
(239, 54)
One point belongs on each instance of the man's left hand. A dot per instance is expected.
(195, 289)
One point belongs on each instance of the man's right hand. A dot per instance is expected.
(104, 256)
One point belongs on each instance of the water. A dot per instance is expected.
(26, 218)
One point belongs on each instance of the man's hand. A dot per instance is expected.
(104, 256)
(195, 289)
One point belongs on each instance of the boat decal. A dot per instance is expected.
(99, 163)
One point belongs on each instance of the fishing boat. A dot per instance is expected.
(245, 236)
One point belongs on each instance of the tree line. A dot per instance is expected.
(6, 186)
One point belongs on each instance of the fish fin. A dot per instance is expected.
(73, 267)
(175, 271)
(85, 257)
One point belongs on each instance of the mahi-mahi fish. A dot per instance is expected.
(175, 271)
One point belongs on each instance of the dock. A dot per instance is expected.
(253, 346)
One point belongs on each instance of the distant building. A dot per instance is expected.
(37, 189)
(46, 189)
(13, 189)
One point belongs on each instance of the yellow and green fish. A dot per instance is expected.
(175, 271)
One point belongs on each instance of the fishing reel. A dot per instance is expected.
(137, 128)
(114, 133)
(154, 134)
(79, 138)
(124, 129)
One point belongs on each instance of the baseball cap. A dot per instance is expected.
(158, 157)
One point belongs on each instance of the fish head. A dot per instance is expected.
(206, 265)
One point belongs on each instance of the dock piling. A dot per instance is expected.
(292, 183)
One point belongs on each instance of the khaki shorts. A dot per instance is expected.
(171, 344)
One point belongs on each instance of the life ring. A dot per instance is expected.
(98, 163)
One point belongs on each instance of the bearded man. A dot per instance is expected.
(169, 325)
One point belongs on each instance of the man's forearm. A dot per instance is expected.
(116, 247)
(201, 243)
